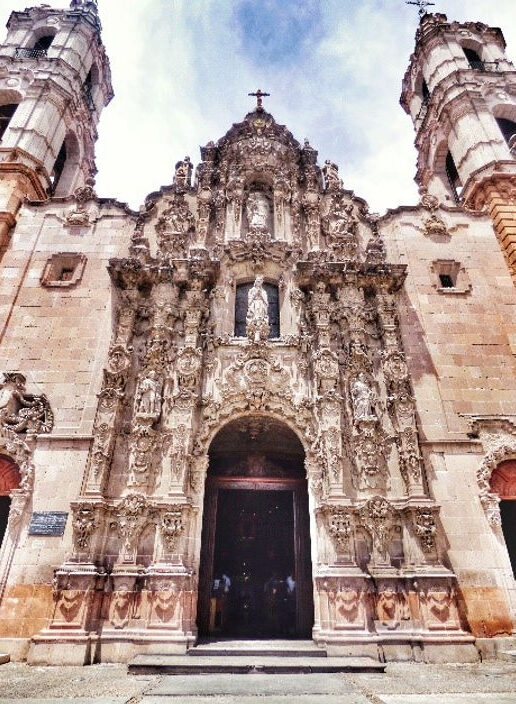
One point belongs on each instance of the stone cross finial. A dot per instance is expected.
(421, 4)
(259, 95)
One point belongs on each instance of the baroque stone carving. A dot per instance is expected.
(425, 528)
(173, 228)
(84, 522)
(499, 438)
(378, 517)
(257, 318)
(364, 399)
(148, 396)
(20, 411)
(131, 516)
(183, 174)
(257, 211)
(172, 524)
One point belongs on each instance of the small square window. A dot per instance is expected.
(63, 269)
(450, 277)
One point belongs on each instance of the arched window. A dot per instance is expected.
(88, 86)
(43, 43)
(503, 483)
(453, 177)
(6, 113)
(425, 91)
(59, 165)
(242, 292)
(9, 480)
(474, 59)
(508, 129)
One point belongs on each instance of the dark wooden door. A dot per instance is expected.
(227, 494)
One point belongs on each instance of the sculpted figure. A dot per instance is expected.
(183, 172)
(149, 397)
(257, 318)
(363, 399)
(257, 210)
(22, 412)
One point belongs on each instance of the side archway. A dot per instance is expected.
(10, 479)
(503, 485)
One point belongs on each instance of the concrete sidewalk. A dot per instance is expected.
(407, 683)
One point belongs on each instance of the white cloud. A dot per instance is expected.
(181, 75)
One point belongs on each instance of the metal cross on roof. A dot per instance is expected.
(259, 95)
(421, 4)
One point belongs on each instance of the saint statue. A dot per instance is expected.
(148, 401)
(257, 318)
(364, 399)
(258, 209)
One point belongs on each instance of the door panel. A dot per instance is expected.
(255, 543)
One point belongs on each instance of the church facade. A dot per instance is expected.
(254, 408)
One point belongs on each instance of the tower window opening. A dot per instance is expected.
(6, 113)
(43, 43)
(58, 167)
(241, 303)
(425, 91)
(87, 89)
(453, 177)
(474, 59)
(508, 129)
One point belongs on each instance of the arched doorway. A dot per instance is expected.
(255, 577)
(9, 480)
(503, 483)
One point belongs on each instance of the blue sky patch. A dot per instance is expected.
(278, 31)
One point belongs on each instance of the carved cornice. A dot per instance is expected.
(132, 273)
(390, 277)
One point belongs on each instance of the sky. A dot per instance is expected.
(182, 71)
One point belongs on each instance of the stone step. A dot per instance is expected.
(508, 655)
(4, 658)
(258, 648)
(187, 665)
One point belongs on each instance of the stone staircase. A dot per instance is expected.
(246, 657)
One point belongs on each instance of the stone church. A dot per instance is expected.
(255, 409)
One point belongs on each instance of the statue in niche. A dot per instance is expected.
(364, 399)
(148, 399)
(257, 211)
(257, 318)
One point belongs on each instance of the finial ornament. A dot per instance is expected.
(421, 4)
(259, 95)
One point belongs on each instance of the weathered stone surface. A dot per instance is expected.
(128, 350)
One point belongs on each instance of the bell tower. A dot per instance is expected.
(460, 90)
(54, 82)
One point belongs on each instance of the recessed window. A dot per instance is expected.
(425, 92)
(6, 113)
(508, 129)
(59, 165)
(474, 59)
(241, 296)
(446, 281)
(63, 270)
(453, 177)
(450, 277)
(44, 43)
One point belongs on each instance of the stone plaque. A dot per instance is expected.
(48, 523)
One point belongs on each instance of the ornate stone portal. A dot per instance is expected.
(176, 375)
